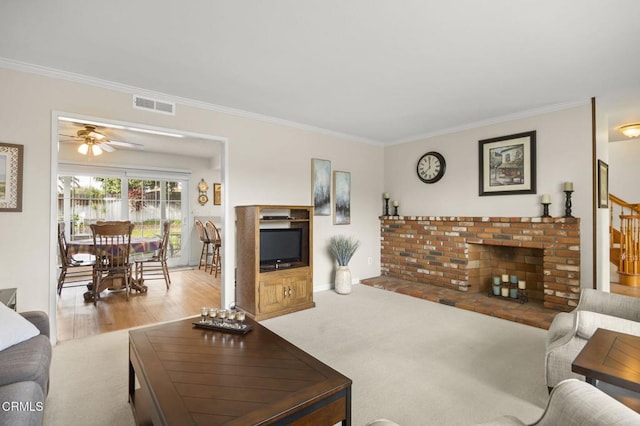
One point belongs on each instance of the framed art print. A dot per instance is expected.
(321, 186)
(342, 197)
(11, 177)
(508, 164)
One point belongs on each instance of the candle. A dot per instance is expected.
(386, 195)
(546, 199)
(505, 278)
(522, 285)
(496, 280)
(568, 186)
(514, 279)
(505, 291)
(395, 203)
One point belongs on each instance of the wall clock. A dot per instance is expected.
(202, 189)
(431, 167)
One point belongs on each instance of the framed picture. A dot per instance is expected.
(321, 186)
(342, 196)
(508, 164)
(11, 177)
(217, 194)
(603, 185)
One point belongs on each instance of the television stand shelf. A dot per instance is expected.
(265, 292)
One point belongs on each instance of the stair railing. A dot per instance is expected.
(617, 208)
(629, 244)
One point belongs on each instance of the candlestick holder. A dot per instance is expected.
(567, 204)
(545, 210)
(386, 207)
(395, 211)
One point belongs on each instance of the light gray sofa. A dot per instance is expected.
(570, 331)
(576, 403)
(24, 375)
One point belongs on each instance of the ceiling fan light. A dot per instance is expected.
(96, 150)
(83, 149)
(630, 130)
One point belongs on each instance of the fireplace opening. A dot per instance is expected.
(487, 261)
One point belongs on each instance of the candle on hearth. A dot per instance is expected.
(568, 186)
(395, 203)
(522, 285)
(496, 280)
(546, 199)
(514, 279)
(504, 291)
(386, 195)
(505, 278)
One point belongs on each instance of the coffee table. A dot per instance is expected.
(613, 358)
(180, 375)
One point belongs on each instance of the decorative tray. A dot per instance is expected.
(226, 327)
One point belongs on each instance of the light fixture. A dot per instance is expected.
(88, 143)
(630, 130)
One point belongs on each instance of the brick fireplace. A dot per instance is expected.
(463, 253)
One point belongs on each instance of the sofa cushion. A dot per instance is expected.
(589, 322)
(27, 361)
(14, 328)
(21, 403)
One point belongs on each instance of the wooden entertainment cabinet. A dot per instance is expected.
(268, 293)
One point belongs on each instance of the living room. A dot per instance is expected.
(267, 160)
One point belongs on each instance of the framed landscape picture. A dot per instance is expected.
(321, 186)
(508, 164)
(342, 194)
(603, 185)
(10, 177)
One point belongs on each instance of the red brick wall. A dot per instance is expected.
(435, 250)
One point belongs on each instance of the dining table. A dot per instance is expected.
(139, 246)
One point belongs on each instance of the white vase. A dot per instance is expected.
(343, 280)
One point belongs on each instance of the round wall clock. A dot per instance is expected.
(203, 199)
(431, 167)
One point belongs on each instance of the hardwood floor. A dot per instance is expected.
(190, 290)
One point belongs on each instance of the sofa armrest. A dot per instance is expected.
(588, 322)
(39, 319)
(616, 305)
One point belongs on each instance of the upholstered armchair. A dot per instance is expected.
(576, 403)
(570, 331)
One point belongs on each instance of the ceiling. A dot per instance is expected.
(375, 70)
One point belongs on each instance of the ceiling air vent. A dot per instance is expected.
(154, 105)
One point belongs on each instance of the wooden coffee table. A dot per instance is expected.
(180, 375)
(613, 358)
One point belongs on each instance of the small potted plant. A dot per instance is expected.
(343, 249)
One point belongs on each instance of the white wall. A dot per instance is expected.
(624, 170)
(267, 163)
(563, 154)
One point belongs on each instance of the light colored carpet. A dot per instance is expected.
(411, 361)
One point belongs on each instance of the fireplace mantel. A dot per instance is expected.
(435, 250)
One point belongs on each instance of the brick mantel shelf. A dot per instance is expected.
(436, 250)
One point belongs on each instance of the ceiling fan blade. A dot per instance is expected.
(126, 144)
(105, 146)
(69, 141)
(68, 136)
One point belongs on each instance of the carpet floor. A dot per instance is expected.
(411, 361)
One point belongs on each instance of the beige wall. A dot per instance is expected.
(266, 163)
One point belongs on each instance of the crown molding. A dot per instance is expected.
(123, 88)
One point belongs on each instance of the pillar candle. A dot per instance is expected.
(496, 280)
(522, 285)
(514, 279)
(505, 278)
(395, 203)
(568, 186)
(546, 198)
(505, 291)
(386, 195)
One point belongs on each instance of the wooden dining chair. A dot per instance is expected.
(216, 244)
(206, 245)
(72, 268)
(112, 248)
(156, 264)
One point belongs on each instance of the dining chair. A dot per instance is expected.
(206, 245)
(216, 244)
(112, 248)
(72, 268)
(156, 263)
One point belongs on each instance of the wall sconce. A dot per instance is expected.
(630, 130)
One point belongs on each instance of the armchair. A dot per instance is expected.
(570, 331)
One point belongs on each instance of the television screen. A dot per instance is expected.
(280, 246)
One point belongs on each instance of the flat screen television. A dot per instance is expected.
(279, 246)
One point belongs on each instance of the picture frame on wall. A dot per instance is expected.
(11, 160)
(321, 186)
(603, 185)
(217, 194)
(342, 198)
(508, 164)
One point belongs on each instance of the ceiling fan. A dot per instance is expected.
(95, 142)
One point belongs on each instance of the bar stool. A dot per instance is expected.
(206, 243)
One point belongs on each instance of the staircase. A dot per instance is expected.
(624, 237)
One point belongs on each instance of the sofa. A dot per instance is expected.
(24, 366)
(570, 331)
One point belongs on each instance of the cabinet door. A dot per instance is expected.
(297, 289)
(272, 294)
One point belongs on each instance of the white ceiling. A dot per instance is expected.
(379, 70)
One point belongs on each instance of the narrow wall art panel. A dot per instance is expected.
(321, 186)
(342, 196)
